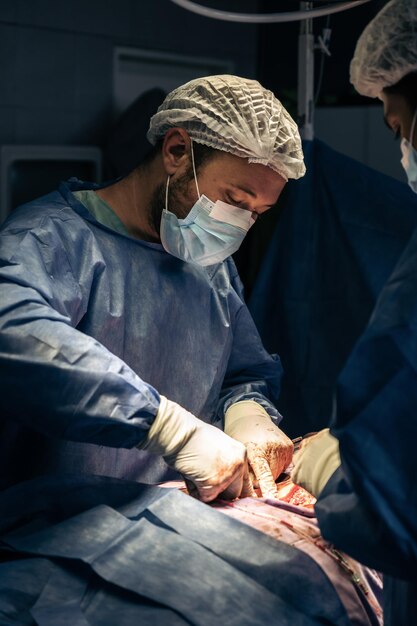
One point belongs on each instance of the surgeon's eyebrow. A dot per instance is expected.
(245, 189)
(250, 192)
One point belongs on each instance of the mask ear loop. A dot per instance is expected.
(195, 174)
(166, 194)
(412, 127)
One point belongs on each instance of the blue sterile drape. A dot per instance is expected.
(341, 231)
(94, 550)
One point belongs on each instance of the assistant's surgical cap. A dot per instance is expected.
(387, 49)
(236, 115)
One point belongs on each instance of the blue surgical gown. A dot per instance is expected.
(94, 325)
(369, 506)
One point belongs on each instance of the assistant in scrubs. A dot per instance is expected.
(365, 475)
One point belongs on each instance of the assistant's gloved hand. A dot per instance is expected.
(269, 449)
(211, 461)
(315, 461)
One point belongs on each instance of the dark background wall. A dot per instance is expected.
(56, 60)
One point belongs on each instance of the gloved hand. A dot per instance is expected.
(212, 463)
(315, 461)
(269, 449)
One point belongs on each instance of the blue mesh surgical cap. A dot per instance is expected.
(236, 115)
(387, 49)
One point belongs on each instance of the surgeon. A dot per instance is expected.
(126, 348)
(365, 470)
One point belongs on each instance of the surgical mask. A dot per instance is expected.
(409, 159)
(210, 233)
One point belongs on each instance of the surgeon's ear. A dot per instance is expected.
(175, 149)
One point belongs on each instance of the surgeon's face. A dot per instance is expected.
(250, 186)
(398, 115)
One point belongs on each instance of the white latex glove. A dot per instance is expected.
(315, 461)
(212, 463)
(269, 449)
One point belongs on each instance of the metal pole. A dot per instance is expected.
(306, 75)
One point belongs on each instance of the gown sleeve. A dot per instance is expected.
(252, 373)
(54, 378)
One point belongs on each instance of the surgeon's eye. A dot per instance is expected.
(397, 134)
(232, 201)
(238, 203)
